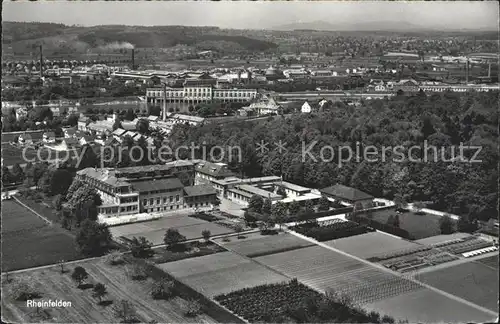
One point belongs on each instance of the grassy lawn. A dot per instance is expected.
(256, 244)
(43, 207)
(12, 155)
(419, 226)
(27, 241)
(51, 284)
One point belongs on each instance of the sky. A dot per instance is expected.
(255, 15)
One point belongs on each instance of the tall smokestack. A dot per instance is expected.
(164, 102)
(467, 71)
(489, 70)
(41, 62)
(133, 59)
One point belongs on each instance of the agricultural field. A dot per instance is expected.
(221, 273)
(256, 244)
(419, 226)
(491, 261)
(27, 241)
(54, 285)
(471, 281)
(291, 302)
(9, 137)
(427, 306)
(370, 244)
(13, 154)
(155, 230)
(438, 239)
(325, 270)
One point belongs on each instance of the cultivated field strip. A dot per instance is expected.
(326, 270)
(370, 244)
(221, 273)
(257, 244)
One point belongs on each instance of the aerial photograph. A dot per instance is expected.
(250, 162)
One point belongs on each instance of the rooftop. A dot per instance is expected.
(104, 175)
(199, 190)
(156, 185)
(294, 187)
(347, 193)
(257, 191)
(214, 169)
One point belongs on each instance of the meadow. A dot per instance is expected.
(27, 241)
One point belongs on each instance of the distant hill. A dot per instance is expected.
(57, 37)
(375, 26)
(351, 26)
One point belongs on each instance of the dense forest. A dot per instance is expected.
(442, 120)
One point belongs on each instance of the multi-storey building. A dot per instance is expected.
(206, 172)
(182, 98)
(148, 189)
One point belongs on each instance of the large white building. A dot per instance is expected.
(126, 192)
(182, 98)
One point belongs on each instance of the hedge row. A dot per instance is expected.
(384, 227)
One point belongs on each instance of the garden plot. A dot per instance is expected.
(442, 238)
(427, 306)
(370, 244)
(255, 244)
(325, 270)
(221, 273)
(471, 281)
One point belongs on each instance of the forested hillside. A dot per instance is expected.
(443, 120)
(57, 37)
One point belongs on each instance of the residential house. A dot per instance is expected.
(266, 105)
(69, 132)
(25, 139)
(21, 113)
(70, 143)
(118, 134)
(56, 111)
(49, 137)
(191, 120)
(306, 107)
(83, 122)
(407, 85)
(86, 139)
